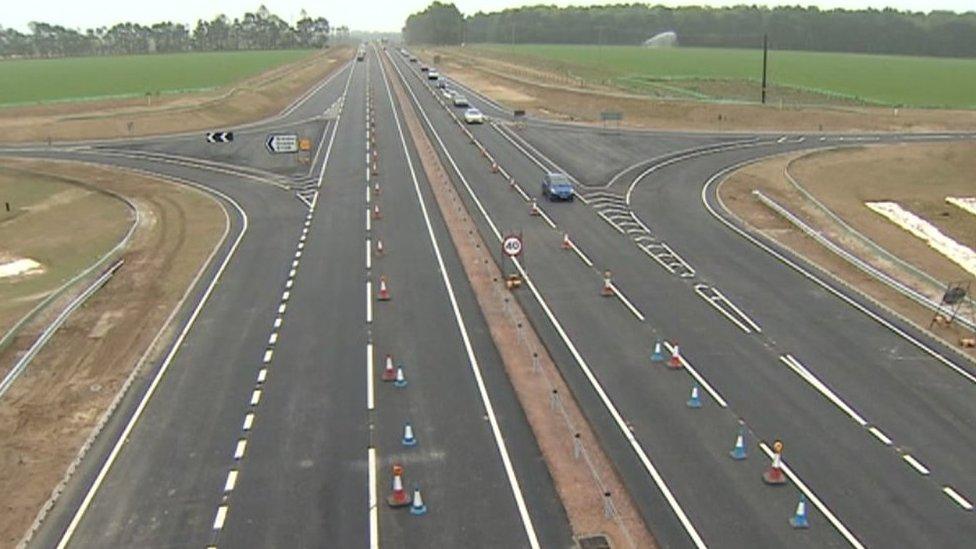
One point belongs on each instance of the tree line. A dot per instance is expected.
(888, 31)
(261, 30)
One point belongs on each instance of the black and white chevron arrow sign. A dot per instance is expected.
(220, 137)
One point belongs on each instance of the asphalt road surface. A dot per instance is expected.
(265, 424)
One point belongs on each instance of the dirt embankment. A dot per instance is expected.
(49, 412)
(917, 176)
(252, 99)
(552, 95)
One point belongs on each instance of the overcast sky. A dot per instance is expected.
(384, 15)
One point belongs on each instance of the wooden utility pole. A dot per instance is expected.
(765, 55)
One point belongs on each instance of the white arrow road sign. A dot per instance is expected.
(282, 143)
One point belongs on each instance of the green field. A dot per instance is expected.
(44, 80)
(873, 79)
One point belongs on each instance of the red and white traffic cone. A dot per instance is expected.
(374, 169)
(376, 212)
(376, 188)
(534, 209)
(511, 182)
(566, 245)
(675, 362)
(607, 289)
(398, 497)
(389, 372)
(379, 246)
(384, 293)
(494, 167)
(774, 474)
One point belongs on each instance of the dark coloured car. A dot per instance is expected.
(556, 186)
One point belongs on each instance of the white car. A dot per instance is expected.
(460, 100)
(432, 74)
(474, 116)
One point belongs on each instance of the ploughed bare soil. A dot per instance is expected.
(50, 411)
(917, 176)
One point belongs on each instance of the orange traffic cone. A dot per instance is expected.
(399, 496)
(376, 212)
(607, 289)
(774, 474)
(675, 362)
(384, 293)
(534, 210)
(567, 245)
(389, 373)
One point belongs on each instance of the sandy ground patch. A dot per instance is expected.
(557, 96)
(918, 176)
(252, 99)
(49, 412)
(19, 267)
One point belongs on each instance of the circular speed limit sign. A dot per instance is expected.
(512, 246)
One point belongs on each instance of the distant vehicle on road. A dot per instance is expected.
(556, 186)
(474, 116)
(413, 58)
(432, 74)
(361, 54)
(460, 100)
(441, 83)
(424, 68)
(447, 93)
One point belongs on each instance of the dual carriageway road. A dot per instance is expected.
(296, 285)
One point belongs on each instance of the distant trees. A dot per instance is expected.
(261, 30)
(938, 33)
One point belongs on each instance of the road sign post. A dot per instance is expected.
(512, 247)
(278, 143)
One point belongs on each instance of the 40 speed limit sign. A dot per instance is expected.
(512, 245)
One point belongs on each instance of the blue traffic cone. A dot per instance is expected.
(657, 355)
(738, 453)
(799, 519)
(408, 438)
(401, 380)
(694, 401)
(417, 507)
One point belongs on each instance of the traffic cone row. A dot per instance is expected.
(494, 167)
(675, 362)
(774, 473)
(389, 372)
(376, 212)
(566, 244)
(379, 246)
(398, 496)
(534, 209)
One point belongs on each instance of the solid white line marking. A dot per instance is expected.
(580, 253)
(917, 465)
(698, 377)
(369, 254)
(963, 502)
(459, 322)
(370, 404)
(374, 522)
(367, 220)
(273, 339)
(255, 397)
(277, 322)
(231, 480)
(268, 353)
(824, 510)
(808, 376)
(218, 522)
(368, 197)
(262, 375)
(623, 299)
(369, 302)
(240, 448)
(248, 421)
(880, 436)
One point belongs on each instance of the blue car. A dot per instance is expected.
(556, 186)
